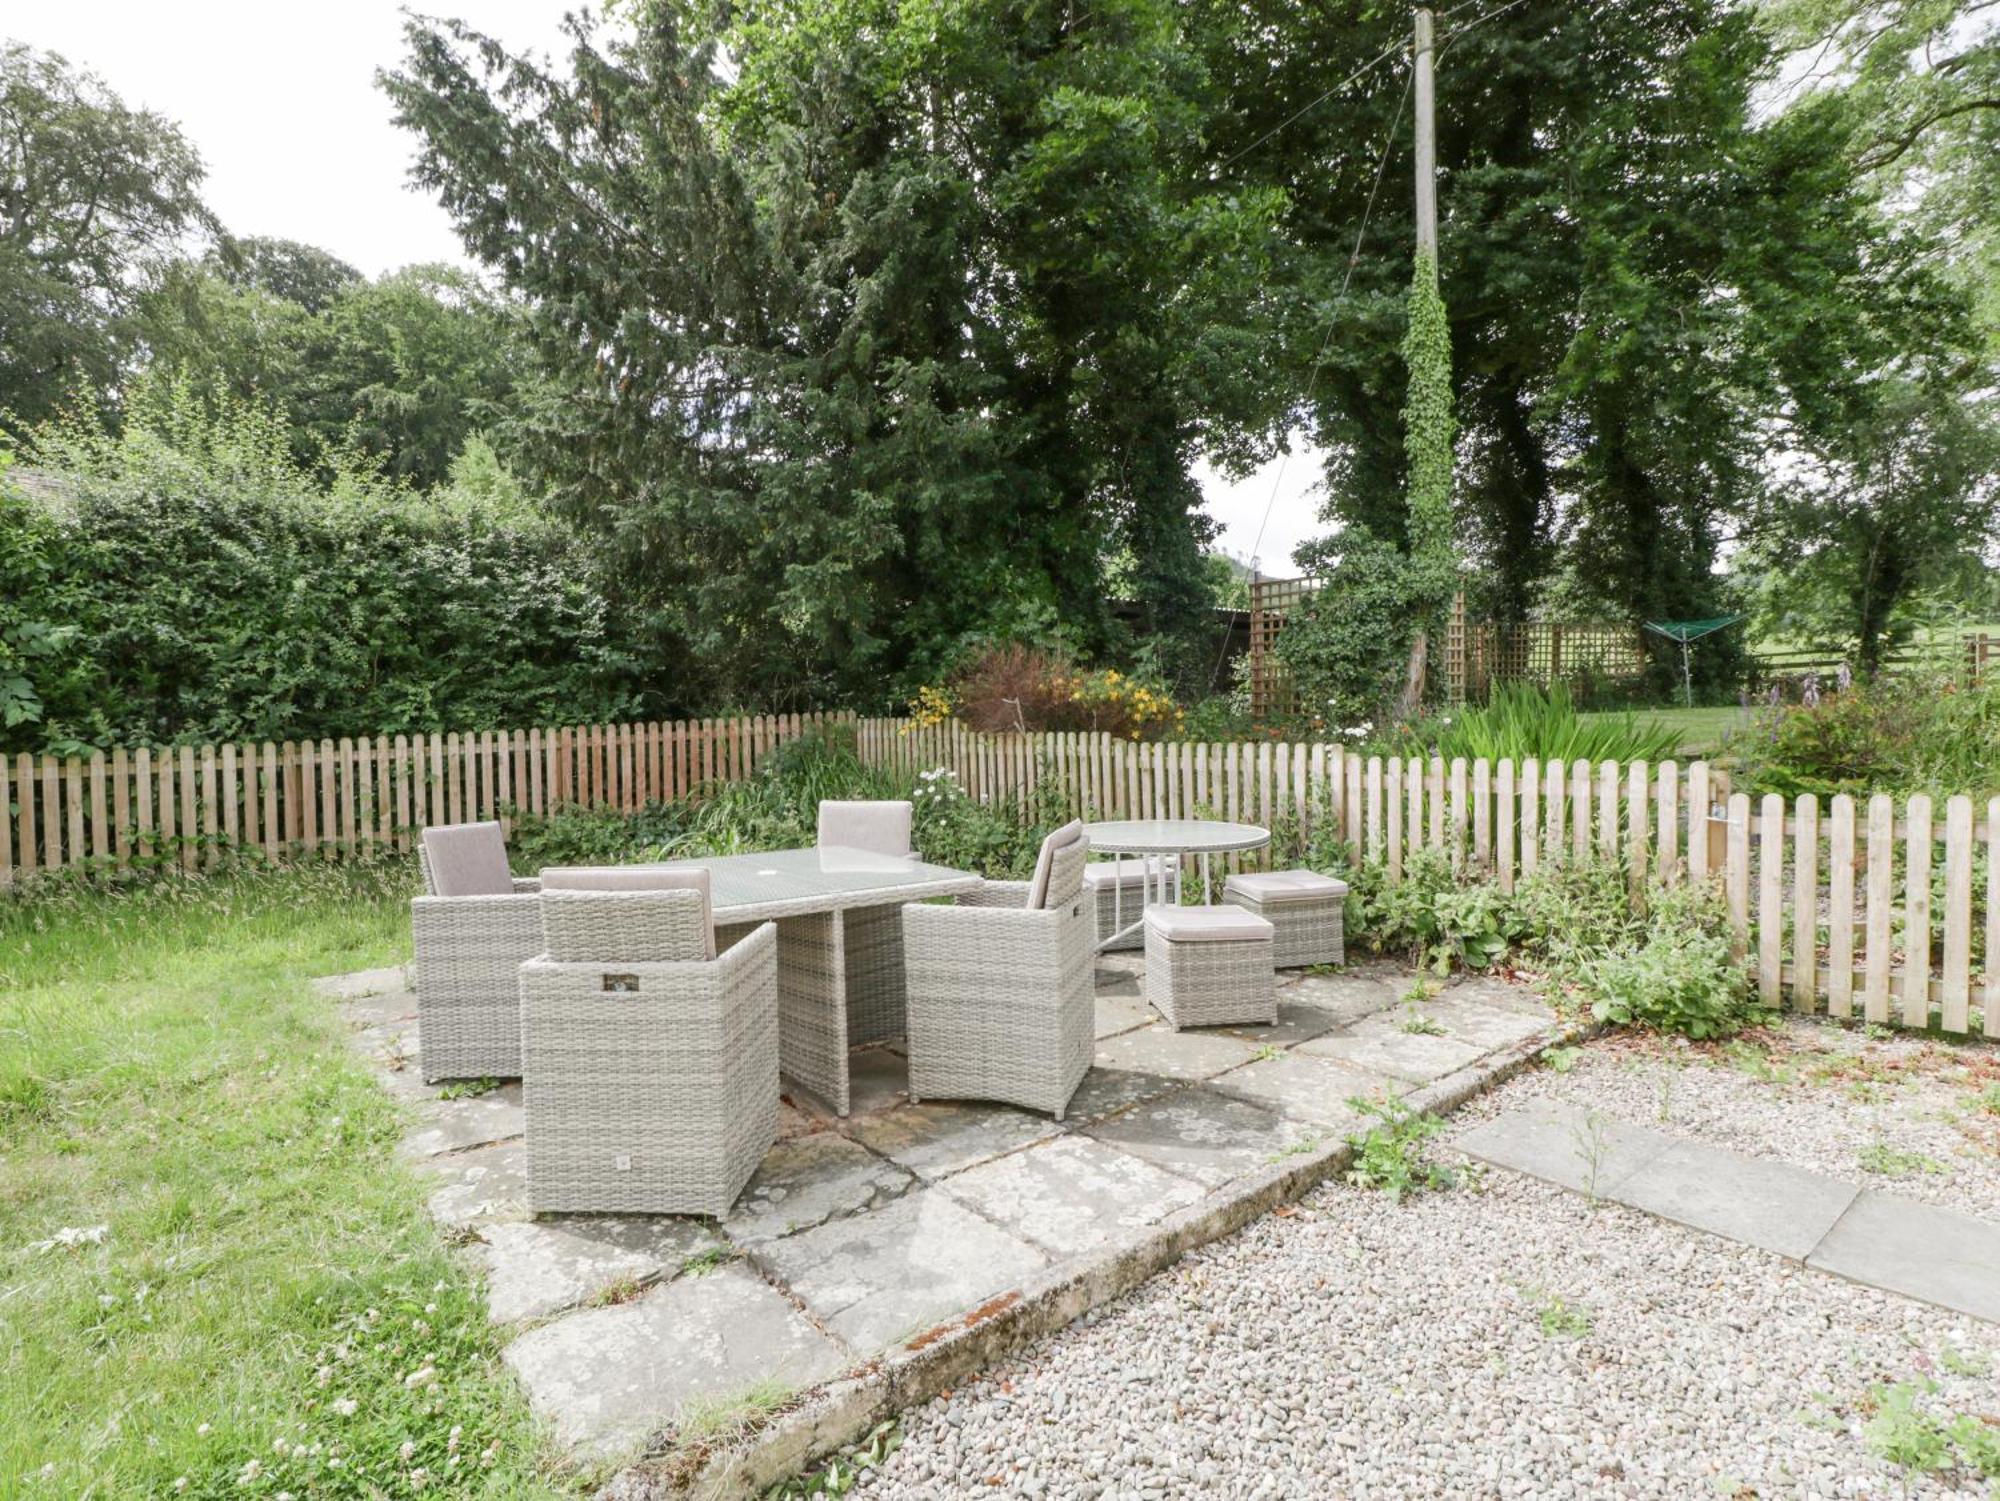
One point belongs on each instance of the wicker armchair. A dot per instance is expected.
(1000, 999)
(652, 1068)
(882, 828)
(470, 933)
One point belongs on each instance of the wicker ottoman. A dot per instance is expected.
(1305, 907)
(1118, 890)
(1209, 966)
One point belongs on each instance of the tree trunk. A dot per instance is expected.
(1412, 699)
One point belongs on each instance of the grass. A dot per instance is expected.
(1702, 732)
(269, 1308)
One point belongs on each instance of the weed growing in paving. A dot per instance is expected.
(1389, 1156)
(1562, 1060)
(703, 1262)
(1593, 1145)
(1894, 1162)
(467, 1089)
(1988, 1099)
(840, 1474)
(1421, 1024)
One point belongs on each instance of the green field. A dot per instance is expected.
(1702, 731)
(215, 1279)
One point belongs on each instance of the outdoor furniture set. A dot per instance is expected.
(650, 1009)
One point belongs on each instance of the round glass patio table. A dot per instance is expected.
(1161, 879)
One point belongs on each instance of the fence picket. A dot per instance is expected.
(1917, 913)
(1881, 861)
(1770, 898)
(1503, 828)
(1736, 871)
(1957, 989)
(1805, 905)
(1991, 1003)
(1840, 908)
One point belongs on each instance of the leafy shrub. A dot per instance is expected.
(1346, 645)
(1922, 732)
(1572, 911)
(1015, 687)
(218, 591)
(1523, 719)
(1680, 975)
(1438, 914)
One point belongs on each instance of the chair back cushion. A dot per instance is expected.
(1048, 888)
(638, 931)
(881, 828)
(467, 859)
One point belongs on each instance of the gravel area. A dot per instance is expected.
(1504, 1339)
(1908, 1115)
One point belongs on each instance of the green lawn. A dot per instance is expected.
(1702, 731)
(269, 1308)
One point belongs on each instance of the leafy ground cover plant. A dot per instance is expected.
(1915, 732)
(1390, 1154)
(1679, 976)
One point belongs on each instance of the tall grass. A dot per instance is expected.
(1522, 720)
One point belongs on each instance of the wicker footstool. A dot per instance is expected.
(1209, 966)
(1305, 907)
(1117, 890)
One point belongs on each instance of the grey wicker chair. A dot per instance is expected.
(877, 1002)
(882, 828)
(651, 1080)
(1000, 999)
(469, 934)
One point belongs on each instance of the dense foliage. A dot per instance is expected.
(1523, 720)
(1924, 732)
(194, 581)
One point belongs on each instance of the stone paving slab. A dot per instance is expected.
(1770, 1205)
(1297, 1023)
(1556, 1142)
(538, 1268)
(361, 983)
(1466, 1019)
(883, 1277)
(471, 1122)
(1385, 1048)
(393, 1006)
(1072, 1193)
(1107, 1091)
(1491, 990)
(1159, 1049)
(1314, 1090)
(1918, 1250)
(482, 1186)
(809, 1180)
(932, 1140)
(1208, 1137)
(1120, 1013)
(607, 1379)
(1346, 996)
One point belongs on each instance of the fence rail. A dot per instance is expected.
(1888, 911)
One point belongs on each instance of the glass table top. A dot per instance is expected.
(1166, 836)
(826, 872)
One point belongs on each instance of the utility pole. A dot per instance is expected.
(1427, 200)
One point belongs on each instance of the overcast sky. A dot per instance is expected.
(281, 101)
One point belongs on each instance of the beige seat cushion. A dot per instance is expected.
(1207, 924)
(1062, 838)
(1273, 886)
(468, 859)
(635, 878)
(881, 828)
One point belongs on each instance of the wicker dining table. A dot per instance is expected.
(1162, 844)
(840, 945)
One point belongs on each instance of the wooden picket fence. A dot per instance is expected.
(1887, 913)
(191, 806)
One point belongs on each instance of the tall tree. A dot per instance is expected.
(93, 196)
(917, 321)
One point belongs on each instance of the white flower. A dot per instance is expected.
(201, 1430)
(408, 1451)
(424, 1375)
(180, 1483)
(251, 1470)
(345, 1406)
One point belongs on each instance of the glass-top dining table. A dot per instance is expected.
(840, 945)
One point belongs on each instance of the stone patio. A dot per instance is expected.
(867, 1235)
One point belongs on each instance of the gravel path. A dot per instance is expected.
(1907, 1115)
(1360, 1348)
